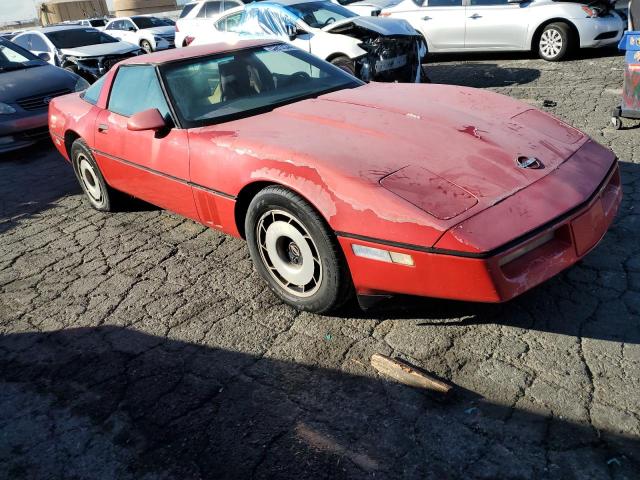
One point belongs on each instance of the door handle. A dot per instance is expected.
(102, 128)
(427, 17)
(475, 15)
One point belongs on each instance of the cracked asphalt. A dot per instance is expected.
(139, 345)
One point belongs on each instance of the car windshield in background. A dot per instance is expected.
(211, 89)
(78, 37)
(14, 59)
(148, 22)
(319, 14)
(97, 23)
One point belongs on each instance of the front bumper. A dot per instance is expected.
(164, 44)
(600, 31)
(22, 129)
(496, 277)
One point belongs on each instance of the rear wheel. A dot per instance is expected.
(295, 253)
(99, 194)
(345, 63)
(555, 42)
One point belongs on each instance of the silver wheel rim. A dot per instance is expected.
(551, 43)
(89, 180)
(146, 46)
(289, 253)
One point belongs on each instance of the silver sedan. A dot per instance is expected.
(552, 28)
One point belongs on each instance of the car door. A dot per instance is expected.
(496, 24)
(441, 22)
(129, 32)
(153, 166)
(114, 29)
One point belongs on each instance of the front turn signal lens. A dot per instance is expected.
(382, 255)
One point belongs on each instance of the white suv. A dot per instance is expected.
(196, 15)
(150, 33)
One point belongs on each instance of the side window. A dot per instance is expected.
(114, 25)
(210, 9)
(92, 94)
(39, 45)
(229, 23)
(128, 26)
(442, 3)
(229, 4)
(488, 2)
(135, 90)
(24, 41)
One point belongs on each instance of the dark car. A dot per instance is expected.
(27, 85)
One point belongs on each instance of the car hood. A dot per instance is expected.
(168, 30)
(98, 50)
(424, 137)
(34, 81)
(382, 26)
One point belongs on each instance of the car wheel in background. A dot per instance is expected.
(99, 194)
(345, 63)
(295, 252)
(146, 46)
(554, 42)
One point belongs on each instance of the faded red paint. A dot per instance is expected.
(374, 161)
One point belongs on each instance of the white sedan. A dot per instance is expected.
(552, 28)
(370, 48)
(150, 33)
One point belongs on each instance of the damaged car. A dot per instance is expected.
(340, 186)
(370, 48)
(85, 51)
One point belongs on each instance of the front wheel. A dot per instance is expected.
(295, 253)
(554, 42)
(146, 46)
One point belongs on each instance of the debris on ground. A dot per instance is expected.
(408, 374)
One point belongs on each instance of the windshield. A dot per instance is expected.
(15, 58)
(78, 37)
(98, 23)
(319, 14)
(247, 82)
(148, 22)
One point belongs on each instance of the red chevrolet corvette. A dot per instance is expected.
(340, 186)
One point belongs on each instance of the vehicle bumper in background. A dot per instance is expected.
(164, 44)
(23, 130)
(600, 31)
(496, 276)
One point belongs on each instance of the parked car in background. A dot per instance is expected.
(97, 23)
(552, 28)
(370, 48)
(200, 14)
(8, 35)
(149, 33)
(340, 186)
(82, 50)
(27, 85)
(366, 7)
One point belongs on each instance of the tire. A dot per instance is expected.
(616, 123)
(146, 46)
(294, 251)
(100, 195)
(345, 63)
(555, 42)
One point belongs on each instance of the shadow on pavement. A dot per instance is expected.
(115, 403)
(581, 54)
(481, 75)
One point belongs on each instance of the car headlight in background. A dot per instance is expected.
(81, 85)
(158, 39)
(6, 109)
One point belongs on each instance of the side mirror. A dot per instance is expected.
(147, 120)
(44, 56)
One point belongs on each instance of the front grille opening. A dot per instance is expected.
(607, 35)
(41, 101)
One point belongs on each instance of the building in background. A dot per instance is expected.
(57, 11)
(126, 8)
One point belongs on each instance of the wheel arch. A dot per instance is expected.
(70, 136)
(533, 44)
(250, 190)
(335, 55)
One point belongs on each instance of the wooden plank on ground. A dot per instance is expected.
(407, 374)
